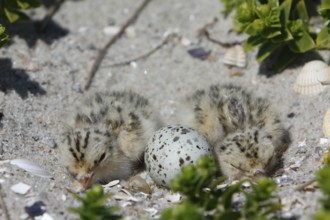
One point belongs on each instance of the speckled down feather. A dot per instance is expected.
(245, 131)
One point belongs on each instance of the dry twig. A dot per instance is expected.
(103, 51)
(303, 186)
(3, 206)
(145, 55)
(203, 32)
(50, 13)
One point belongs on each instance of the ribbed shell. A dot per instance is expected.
(310, 77)
(326, 123)
(235, 56)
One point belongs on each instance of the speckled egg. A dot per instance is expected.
(171, 148)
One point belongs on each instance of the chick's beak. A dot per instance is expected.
(86, 181)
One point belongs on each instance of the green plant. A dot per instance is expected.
(92, 207)
(11, 10)
(279, 26)
(323, 180)
(203, 199)
(3, 37)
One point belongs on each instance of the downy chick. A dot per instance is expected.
(106, 136)
(245, 132)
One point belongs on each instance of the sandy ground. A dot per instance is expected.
(42, 75)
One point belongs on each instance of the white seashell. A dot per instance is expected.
(111, 184)
(173, 198)
(111, 30)
(127, 198)
(310, 78)
(326, 123)
(20, 188)
(152, 211)
(31, 167)
(185, 42)
(235, 56)
(246, 184)
(45, 216)
(324, 141)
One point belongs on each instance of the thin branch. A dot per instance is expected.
(104, 50)
(50, 13)
(203, 32)
(304, 185)
(145, 55)
(225, 45)
(3, 205)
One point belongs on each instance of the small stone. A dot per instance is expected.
(45, 216)
(199, 53)
(37, 209)
(185, 42)
(50, 142)
(20, 188)
(111, 30)
(130, 32)
(35, 138)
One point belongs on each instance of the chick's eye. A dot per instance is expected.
(100, 159)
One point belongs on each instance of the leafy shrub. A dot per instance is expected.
(92, 207)
(280, 26)
(204, 199)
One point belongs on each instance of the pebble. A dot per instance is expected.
(49, 141)
(20, 188)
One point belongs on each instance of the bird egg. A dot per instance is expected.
(171, 148)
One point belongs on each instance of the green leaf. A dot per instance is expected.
(322, 215)
(186, 211)
(285, 9)
(23, 4)
(284, 58)
(252, 42)
(323, 39)
(3, 37)
(227, 197)
(323, 179)
(93, 207)
(301, 10)
(266, 50)
(324, 9)
(302, 44)
(11, 15)
(26, 4)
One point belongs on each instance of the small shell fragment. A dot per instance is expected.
(310, 78)
(326, 123)
(111, 183)
(31, 167)
(20, 188)
(235, 56)
(111, 30)
(185, 42)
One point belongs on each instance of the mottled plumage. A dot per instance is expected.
(244, 130)
(106, 136)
